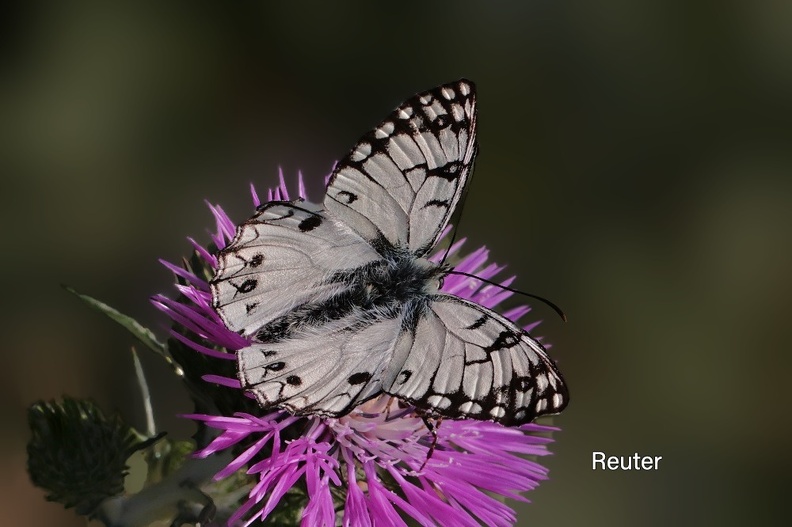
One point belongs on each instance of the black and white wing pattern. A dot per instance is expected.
(289, 280)
(282, 263)
(468, 362)
(402, 180)
(340, 303)
(325, 372)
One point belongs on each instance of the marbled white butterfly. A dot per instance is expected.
(342, 304)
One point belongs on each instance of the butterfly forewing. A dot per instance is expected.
(475, 364)
(282, 258)
(401, 182)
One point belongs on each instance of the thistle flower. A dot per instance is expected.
(379, 464)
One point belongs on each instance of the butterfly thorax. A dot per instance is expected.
(397, 279)
(398, 285)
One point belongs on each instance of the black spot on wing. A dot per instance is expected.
(310, 223)
(359, 377)
(478, 323)
(276, 366)
(522, 384)
(506, 339)
(450, 171)
(346, 196)
(247, 286)
(437, 203)
(293, 380)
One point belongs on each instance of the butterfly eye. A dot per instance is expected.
(442, 271)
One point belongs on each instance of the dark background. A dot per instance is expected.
(634, 168)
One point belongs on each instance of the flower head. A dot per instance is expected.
(78, 454)
(378, 464)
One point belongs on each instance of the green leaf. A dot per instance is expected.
(143, 334)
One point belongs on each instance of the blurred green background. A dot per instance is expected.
(634, 167)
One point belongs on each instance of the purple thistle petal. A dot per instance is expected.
(241, 512)
(379, 500)
(222, 381)
(197, 322)
(204, 253)
(254, 196)
(516, 313)
(185, 274)
(441, 254)
(430, 502)
(202, 349)
(195, 295)
(319, 511)
(473, 261)
(243, 458)
(275, 484)
(301, 186)
(175, 311)
(488, 272)
(497, 298)
(356, 512)
(224, 225)
(464, 286)
(282, 190)
(530, 327)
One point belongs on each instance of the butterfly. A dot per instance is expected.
(341, 304)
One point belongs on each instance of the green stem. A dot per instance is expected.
(176, 497)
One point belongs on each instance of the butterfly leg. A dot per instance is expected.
(432, 430)
(388, 408)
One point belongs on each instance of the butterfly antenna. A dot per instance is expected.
(540, 298)
(458, 213)
(453, 239)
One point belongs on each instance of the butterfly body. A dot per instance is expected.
(341, 303)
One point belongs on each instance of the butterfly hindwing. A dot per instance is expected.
(401, 182)
(325, 371)
(282, 258)
(469, 362)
